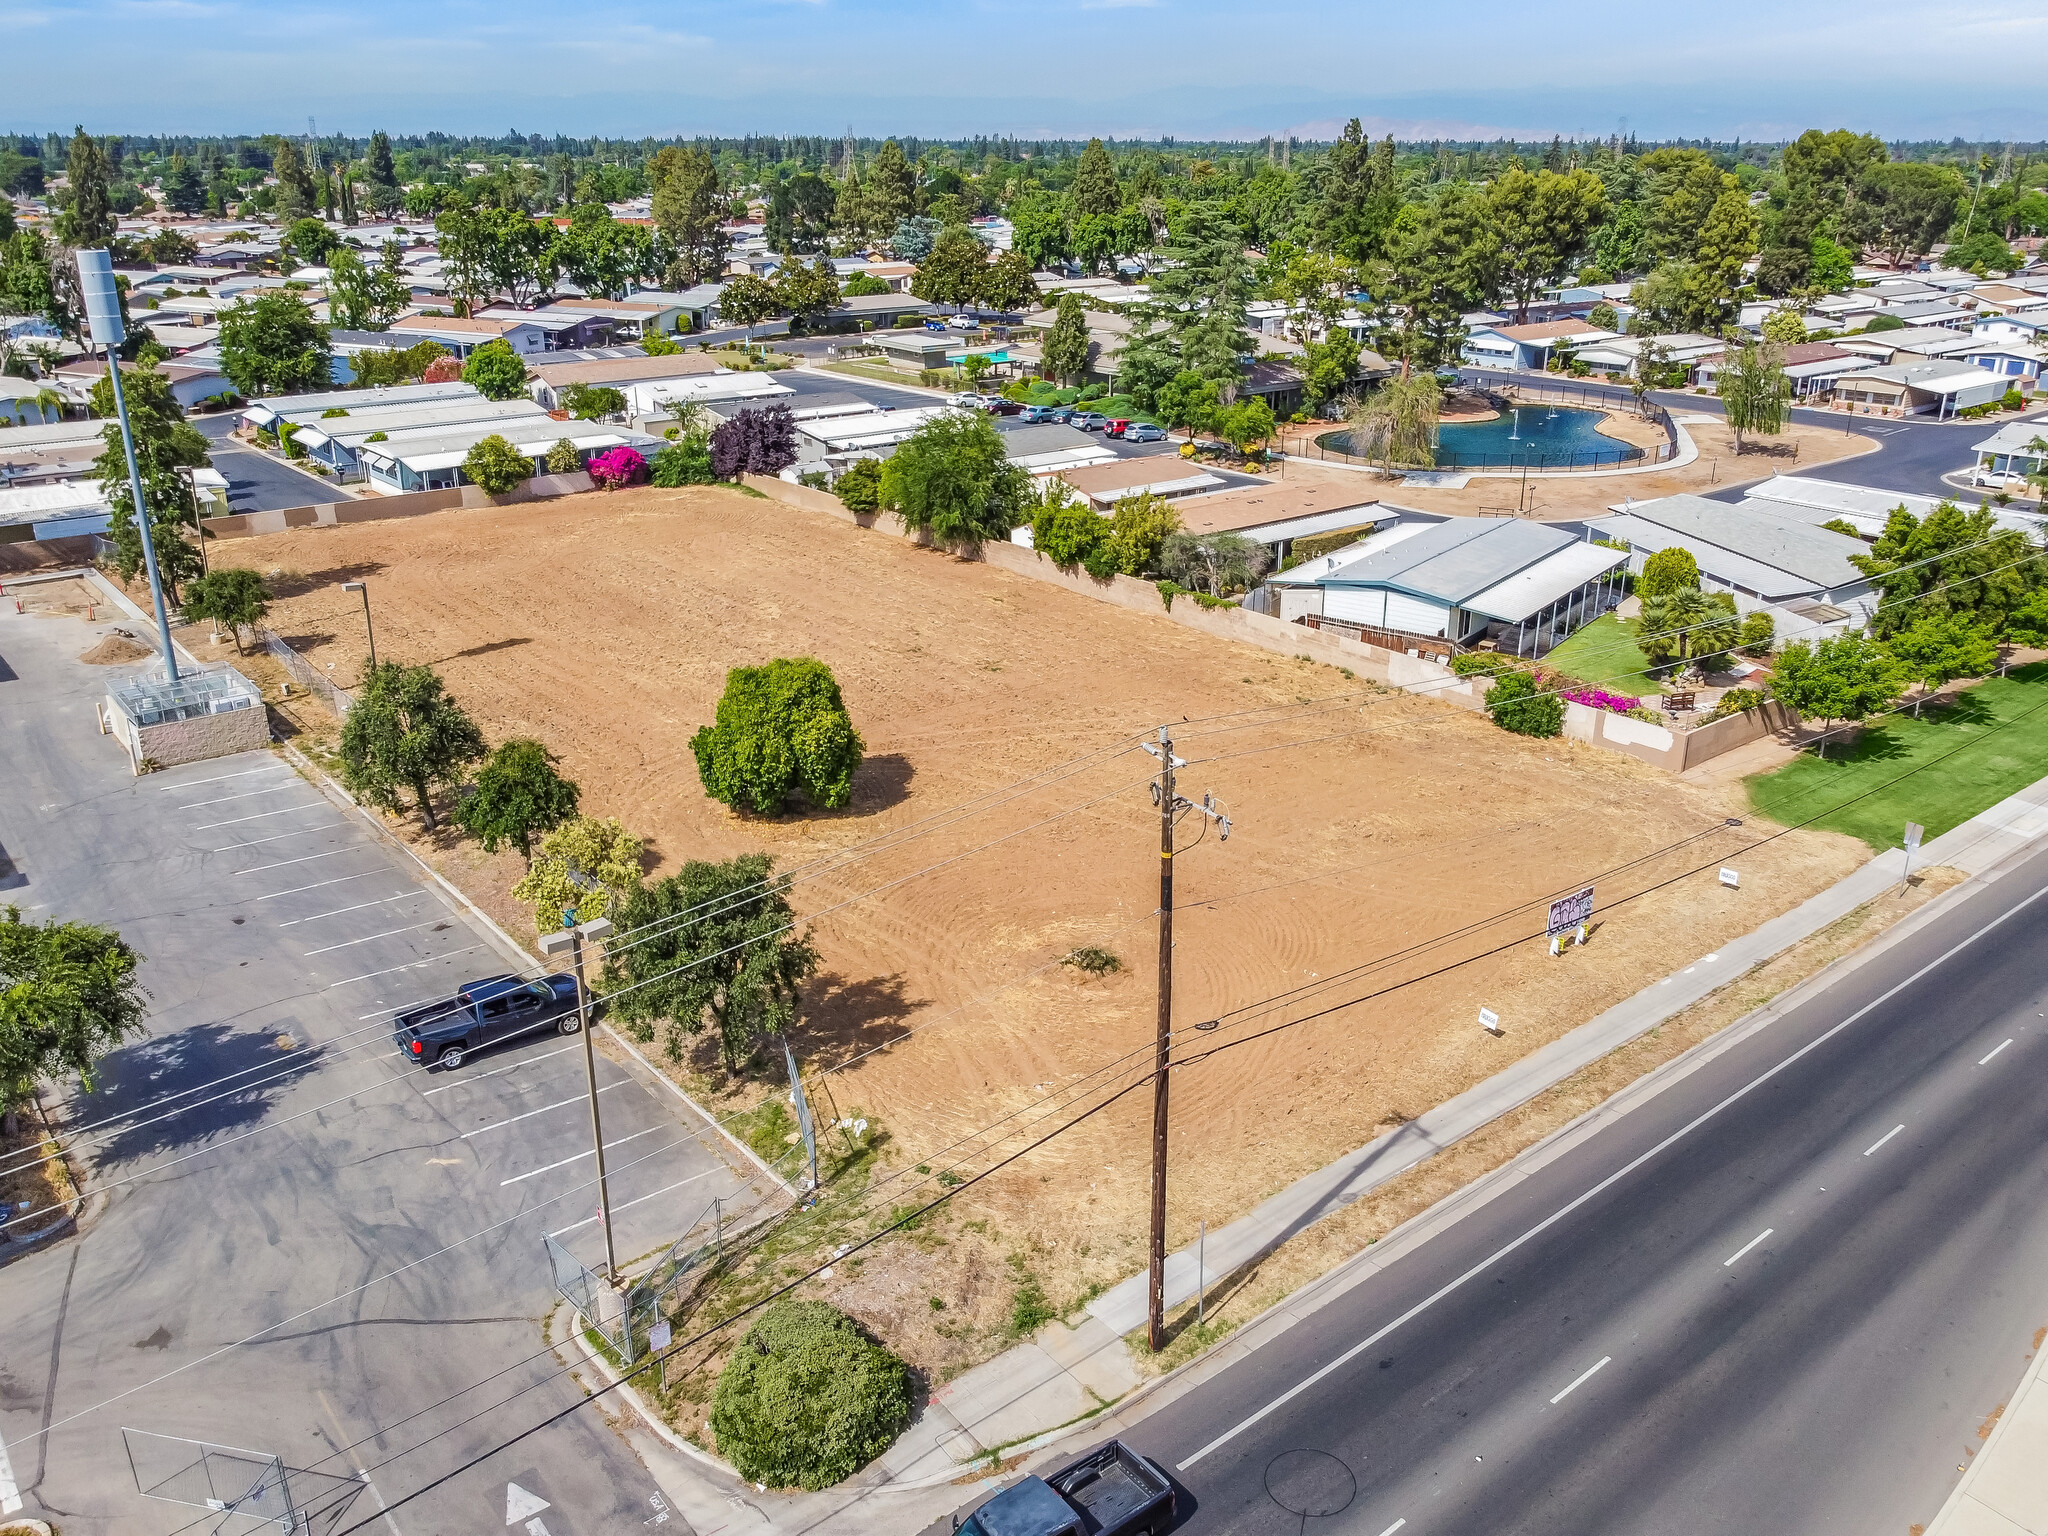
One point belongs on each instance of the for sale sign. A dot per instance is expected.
(1572, 912)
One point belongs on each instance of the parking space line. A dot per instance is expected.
(1583, 1377)
(208, 826)
(581, 1098)
(1730, 1260)
(317, 884)
(494, 1072)
(679, 1183)
(358, 907)
(172, 789)
(373, 937)
(1994, 1051)
(304, 859)
(257, 842)
(520, 1178)
(413, 965)
(1887, 1136)
(193, 805)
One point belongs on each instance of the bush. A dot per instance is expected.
(1093, 392)
(683, 462)
(495, 369)
(1517, 705)
(807, 1399)
(331, 412)
(496, 467)
(1066, 535)
(861, 486)
(563, 459)
(756, 441)
(378, 437)
(616, 467)
(1481, 664)
(2012, 400)
(1759, 631)
(780, 729)
(1668, 570)
(1736, 700)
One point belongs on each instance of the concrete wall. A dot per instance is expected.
(377, 509)
(190, 741)
(1663, 747)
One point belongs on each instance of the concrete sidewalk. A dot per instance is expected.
(2005, 1490)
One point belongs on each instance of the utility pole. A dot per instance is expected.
(572, 937)
(1171, 806)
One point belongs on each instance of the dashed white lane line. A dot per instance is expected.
(520, 1178)
(372, 938)
(679, 1183)
(247, 794)
(257, 842)
(1580, 1380)
(1389, 1531)
(1887, 1136)
(1767, 1231)
(1994, 1051)
(317, 884)
(358, 907)
(464, 1082)
(581, 1098)
(290, 810)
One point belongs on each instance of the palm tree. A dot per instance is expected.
(46, 401)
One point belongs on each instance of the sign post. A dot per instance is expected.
(1570, 914)
(1914, 832)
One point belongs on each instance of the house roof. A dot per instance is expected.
(1553, 330)
(1759, 535)
(1159, 475)
(1813, 352)
(1273, 505)
(625, 370)
(356, 399)
(1941, 378)
(1452, 561)
(2010, 438)
(1528, 592)
(454, 325)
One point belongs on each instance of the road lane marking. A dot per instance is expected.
(1767, 1231)
(317, 884)
(258, 842)
(494, 1072)
(251, 794)
(520, 1178)
(581, 1098)
(679, 1183)
(290, 810)
(394, 970)
(358, 907)
(372, 938)
(1389, 1531)
(172, 789)
(1887, 1136)
(1995, 1050)
(1605, 1184)
(1582, 1378)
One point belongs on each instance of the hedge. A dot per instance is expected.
(807, 1399)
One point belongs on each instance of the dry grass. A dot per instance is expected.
(29, 1172)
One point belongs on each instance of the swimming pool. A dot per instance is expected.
(1541, 436)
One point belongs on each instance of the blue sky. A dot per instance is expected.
(1197, 68)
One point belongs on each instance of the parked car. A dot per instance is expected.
(1090, 421)
(1144, 432)
(1059, 413)
(970, 400)
(485, 1012)
(1117, 426)
(997, 406)
(1110, 1492)
(1036, 413)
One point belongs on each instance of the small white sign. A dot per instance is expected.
(1914, 832)
(1730, 879)
(1489, 1021)
(660, 1335)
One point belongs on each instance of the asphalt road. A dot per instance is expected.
(1782, 1295)
(257, 482)
(272, 922)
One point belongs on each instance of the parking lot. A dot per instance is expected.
(300, 1231)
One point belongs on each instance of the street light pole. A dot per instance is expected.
(364, 588)
(572, 938)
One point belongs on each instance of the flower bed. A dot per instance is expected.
(1600, 698)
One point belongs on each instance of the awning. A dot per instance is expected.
(1527, 593)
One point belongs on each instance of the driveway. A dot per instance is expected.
(256, 481)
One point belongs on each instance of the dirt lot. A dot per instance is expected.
(1372, 829)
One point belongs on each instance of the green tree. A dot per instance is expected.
(1831, 267)
(1138, 530)
(377, 160)
(1754, 391)
(952, 479)
(1784, 327)
(297, 197)
(689, 213)
(1245, 423)
(1329, 369)
(361, 297)
(1397, 423)
(517, 796)
(1667, 571)
(589, 402)
(1759, 631)
(1904, 208)
(1065, 529)
(807, 292)
(26, 287)
(601, 255)
(69, 994)
(563, 459)
(1939, 650)
(495, 467)
(1195, 319)
(1542, 224)
(590, 865)
(864, 285)
(496, 370)
(273, 345)
(405, 731)
(686, 461)
(1846, 678)
(184, 191)
(1605, 317)
(1187, 401)
(807, 1400)
(891, 192)
(1953, 562)
(234, 596)
(164, 443)
(1442, 256)
(955, 271)
(88, 218)
(1221, 562)
(1065, 354)
(1517, 704)
(1983, 252)
(1095, 189)
(748, 300)
(310, 241)
(719, 948)
(780, 730)
(1007, 285)
(1361, 196)
(1687, 626)
(860, 487)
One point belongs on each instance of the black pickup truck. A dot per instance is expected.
(1109, 1492)
(484, 1013)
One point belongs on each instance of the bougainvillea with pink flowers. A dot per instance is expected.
(616, 467)
(1600, 698)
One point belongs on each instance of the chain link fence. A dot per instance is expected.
(304, 673)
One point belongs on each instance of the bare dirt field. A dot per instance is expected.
(1379, 838)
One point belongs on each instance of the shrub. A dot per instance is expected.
(1759, 632)
(756, 441)
(331, 412)
(1093, 392)
(2012, 400)
(1736, 700)
(1481, 664)
(496, 467)
(1066, 534)
(563, 459)
(861, 486)
(616, 467)
(378, 437)
(1667, 571)
(807, 1399)
(780, 729)
(683, 462)
(442, 370)
(1517, 705)
(1093, 959)
(1600, 698)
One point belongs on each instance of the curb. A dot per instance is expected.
(1956, 1511)
(625, 1391)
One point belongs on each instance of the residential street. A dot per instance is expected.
(257, 482)
(1784, 1294)
(307, 1250)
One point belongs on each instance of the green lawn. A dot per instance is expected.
(1604, 653)
(1939, 771)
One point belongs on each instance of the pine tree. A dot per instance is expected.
(89, 221)
(1095, 186)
